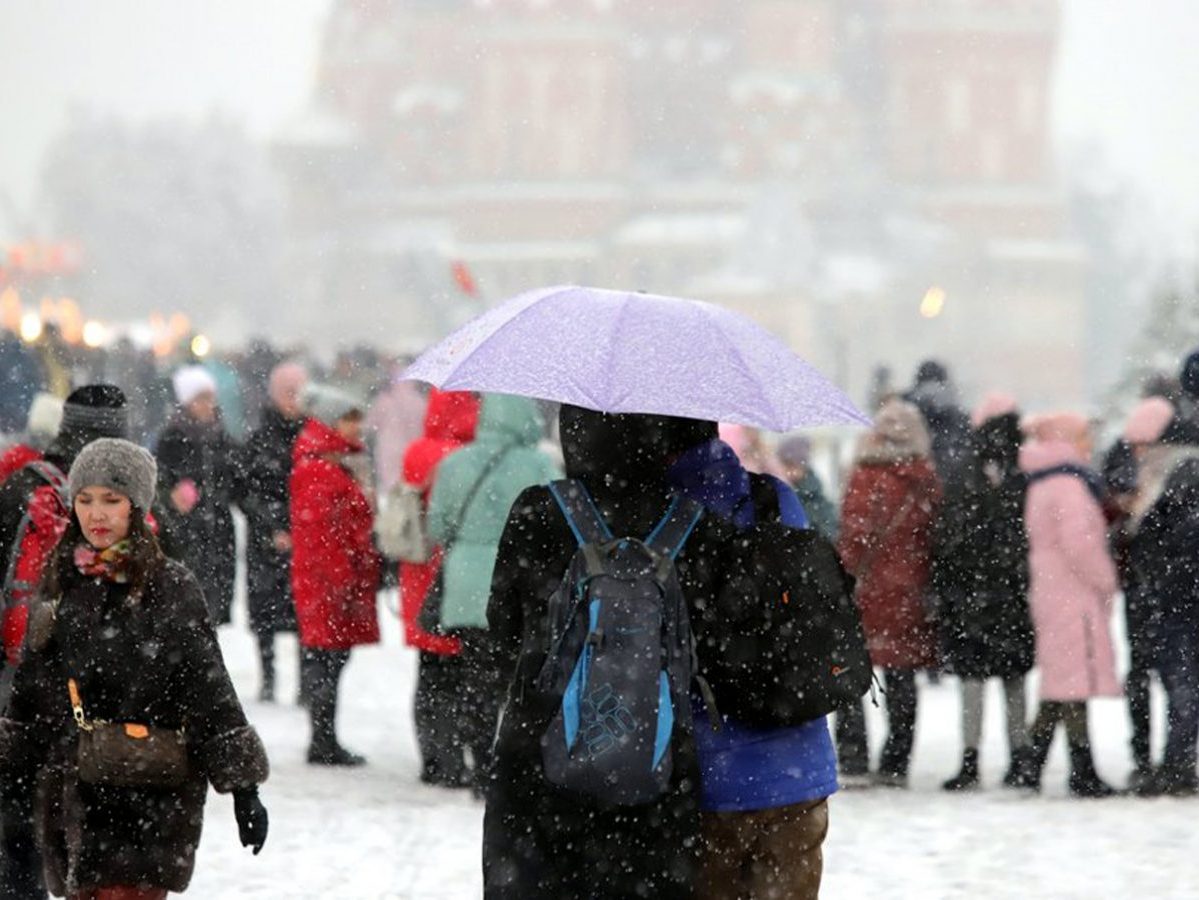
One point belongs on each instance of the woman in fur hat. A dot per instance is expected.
(121, 635)
(886, 544)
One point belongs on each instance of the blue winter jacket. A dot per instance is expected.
(742, 768)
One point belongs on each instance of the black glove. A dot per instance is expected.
(251, 818)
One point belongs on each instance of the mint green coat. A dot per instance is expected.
(508, 425)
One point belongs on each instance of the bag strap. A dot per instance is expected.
(77, 705)
(676, 526)
(492, 465)
(580, 512)
(53, 477)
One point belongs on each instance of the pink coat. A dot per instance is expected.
(1072, 578)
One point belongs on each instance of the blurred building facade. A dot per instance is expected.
(871, 178)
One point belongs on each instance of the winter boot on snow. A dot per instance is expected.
(1020, 773)
(1084, 780)
(967, 778)
(1175, 781)
(1143, 781)
(325, 750)
(266, 653)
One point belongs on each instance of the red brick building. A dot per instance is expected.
(818, 163)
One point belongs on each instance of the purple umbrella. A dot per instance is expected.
(616, 351)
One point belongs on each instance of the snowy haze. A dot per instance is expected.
(1127, 80)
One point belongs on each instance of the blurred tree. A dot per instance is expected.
(171, 217)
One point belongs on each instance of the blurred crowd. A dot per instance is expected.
(982, 544)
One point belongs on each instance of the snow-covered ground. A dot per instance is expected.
(378, 833)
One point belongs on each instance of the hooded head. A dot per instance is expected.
(510, 419)
(932, 372)
(899, 433)
(90, 412)
(1148, 421)
(452, 415)
(1189, 375)
(626, 453)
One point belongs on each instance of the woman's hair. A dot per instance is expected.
(145, 556)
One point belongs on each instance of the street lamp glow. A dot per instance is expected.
(933, 303)
(201, 346)
(31, 327)
(93, 334)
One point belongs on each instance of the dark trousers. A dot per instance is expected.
(769, 854)
(1180, 674)
(21, 864)
(1136, 692)
(479, 699)
(853, 751)
(439, 686)
(324, 668)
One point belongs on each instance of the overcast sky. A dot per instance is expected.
(1128, 79)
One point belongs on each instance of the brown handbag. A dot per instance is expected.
(128, 754)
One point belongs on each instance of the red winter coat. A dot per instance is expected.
(15, 458)
(886, 543)
(334, 564)
(450, 422)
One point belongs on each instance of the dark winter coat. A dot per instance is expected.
(153, 660)
(886, 544)
(948, 426)
(335, 567)
(1163, 585)
(203, 539)
(980, 565)
(538, 841)
(266, 470)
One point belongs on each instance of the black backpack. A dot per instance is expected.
(785, 644)
(620, 660)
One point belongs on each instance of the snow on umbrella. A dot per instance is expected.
(616, 351)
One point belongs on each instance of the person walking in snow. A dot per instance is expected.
(540, 841)
(450, 421)
(1162, 598)
(474, 489)
(886, 544)
(335, 567)
(121, 639)
(1072, 585)
(266, 470)
(795, 456)
(934, 394)
(763, 790)
(198, 485)
(980, 578)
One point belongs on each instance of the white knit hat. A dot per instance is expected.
(45, 415)
(192, 381)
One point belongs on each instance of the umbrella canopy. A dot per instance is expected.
(617, 351)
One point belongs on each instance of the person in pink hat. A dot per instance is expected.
(1072, 586)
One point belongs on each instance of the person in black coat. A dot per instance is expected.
(124, 634)
(90, 412)
(948, 425)
(539, 841)
(980, 579)
(266, 498)
(198, 483)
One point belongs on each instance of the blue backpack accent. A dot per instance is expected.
(621, 657)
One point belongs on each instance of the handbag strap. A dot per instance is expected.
(77, 705)
(492, 465)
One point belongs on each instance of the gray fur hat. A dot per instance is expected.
(119, 465)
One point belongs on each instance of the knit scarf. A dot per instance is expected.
(111, 564)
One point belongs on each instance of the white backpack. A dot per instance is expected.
(400, 530)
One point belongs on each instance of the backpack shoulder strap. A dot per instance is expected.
(580, 512)
(676, 526)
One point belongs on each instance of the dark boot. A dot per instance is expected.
(967, 778)
(1175, 781)
(304, 679)
(325, 750)
(1084, 780)
(1020, 773)
(1143, 781)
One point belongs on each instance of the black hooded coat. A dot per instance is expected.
(540, 841)
(980, 561)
